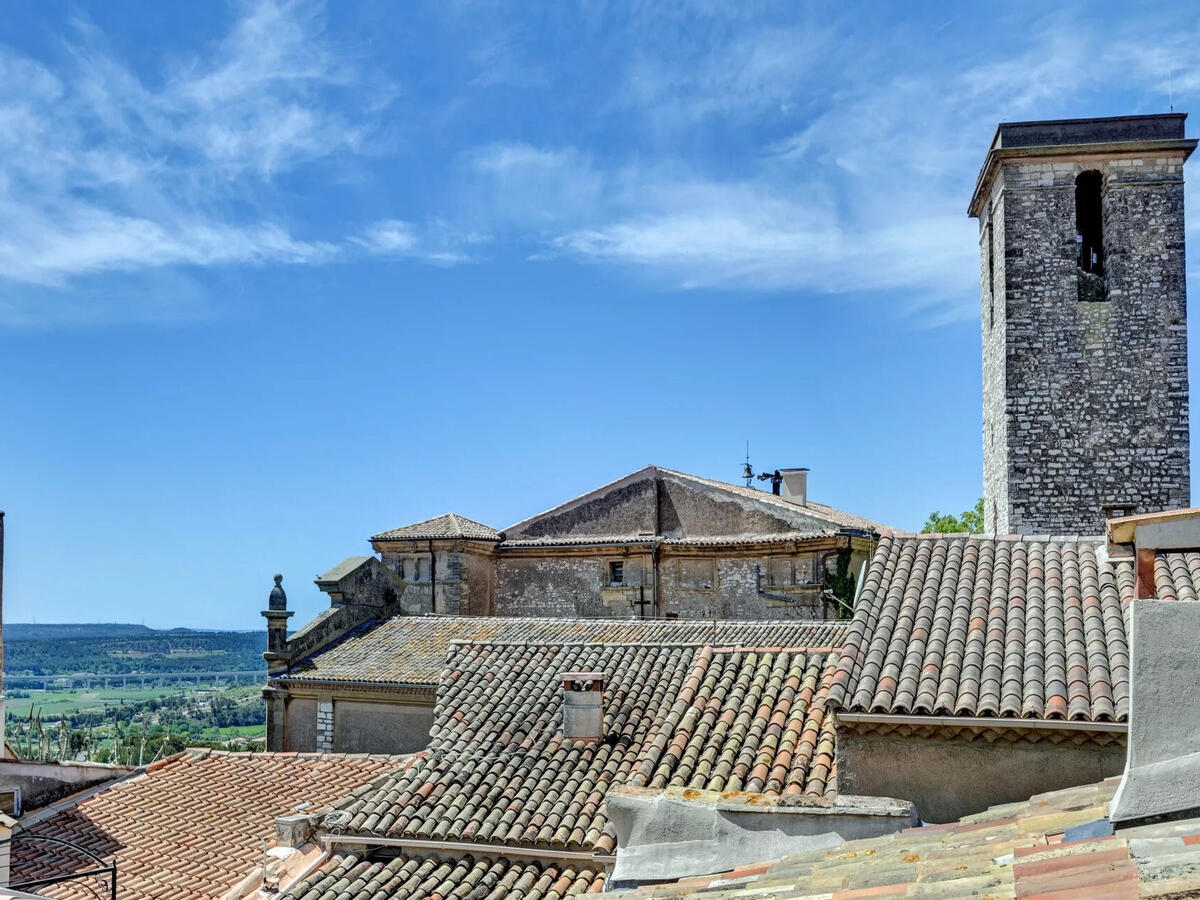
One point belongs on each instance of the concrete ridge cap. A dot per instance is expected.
(716, 647)
(430, 617)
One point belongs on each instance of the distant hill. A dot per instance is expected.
(18, 631)
(117, 649)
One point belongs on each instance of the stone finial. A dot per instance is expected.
(278, 598)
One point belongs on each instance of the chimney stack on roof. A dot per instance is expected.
(583, 705)
(795, 485)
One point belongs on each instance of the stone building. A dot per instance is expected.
(1085, 388)
(656, 543)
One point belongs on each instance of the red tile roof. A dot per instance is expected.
(980, 626)
(499, 770)
(448, 526)
(1016, 850)
(193, 825)
(1177, 575)
(347, 876)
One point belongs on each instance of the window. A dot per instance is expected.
(1089, 222)
(616, 573)
(414, 568)
(697, 574)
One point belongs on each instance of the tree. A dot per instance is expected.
(971, 521)
(840, 585)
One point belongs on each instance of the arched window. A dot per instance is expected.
(1089, 222)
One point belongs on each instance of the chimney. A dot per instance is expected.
(795, 485)
(583, 705)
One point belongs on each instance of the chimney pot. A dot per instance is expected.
(795, 485)
(583, 705)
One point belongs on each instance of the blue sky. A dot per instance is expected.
(276, 276)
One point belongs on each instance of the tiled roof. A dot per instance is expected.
(498, 769)
(984, 626)
(193, 825)
(1177, 575)
(448, 526)
(412, 649)
(1017, 850)
(346, 876)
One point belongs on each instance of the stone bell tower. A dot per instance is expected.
(1085, 387)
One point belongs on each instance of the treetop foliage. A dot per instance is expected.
(969, 521)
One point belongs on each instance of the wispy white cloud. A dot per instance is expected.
(434, 243)
(104, 171)
(865, 192)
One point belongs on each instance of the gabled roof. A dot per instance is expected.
(412, 650)
(449, 526)
(973, 625)
(498, 769)
(656, 502)
(349, 876)
(193, 825)
(1054, 845)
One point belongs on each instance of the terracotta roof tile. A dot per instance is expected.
(196, 822)
(979, 626)
(347, 876)
(412, 649)
(1177, 575)
(448, 526)
(499, 770)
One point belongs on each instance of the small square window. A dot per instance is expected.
(616, 573)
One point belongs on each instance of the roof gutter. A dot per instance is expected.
(469, 847)
(982, 722)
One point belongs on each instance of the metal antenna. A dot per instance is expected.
(1171, 89)
(747, 469)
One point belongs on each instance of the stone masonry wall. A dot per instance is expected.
(735, 595)
(1088, 401)
(578, 586)
(570, 586)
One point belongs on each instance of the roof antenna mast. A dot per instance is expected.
(747, 469)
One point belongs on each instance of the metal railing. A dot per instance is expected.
(109, 869)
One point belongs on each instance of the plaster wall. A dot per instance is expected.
(42, 783)
(947, 779)
(300, 728)
(1163, 771)
(373, 727)
(676, 834)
